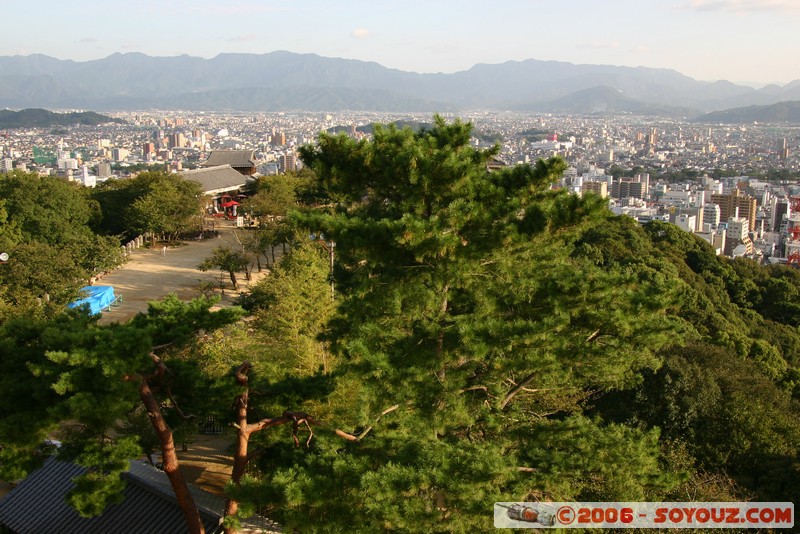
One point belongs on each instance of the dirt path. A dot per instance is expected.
(152, 274)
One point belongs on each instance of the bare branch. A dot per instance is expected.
(310, 433)
(184, 416)
(527, 469)
(345, 435)
(511, 394)
(266, 423)
(594, 335)
(475, 388)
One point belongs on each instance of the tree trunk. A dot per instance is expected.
(245, 430)
(242, 439)
(233, 280)
(440, 375)
(170, 460)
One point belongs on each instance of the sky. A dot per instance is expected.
(755, 41)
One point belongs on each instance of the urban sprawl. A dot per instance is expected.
(734, 186)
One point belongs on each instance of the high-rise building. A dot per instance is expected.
(119, 154)
(738, 234)
(177, 140)
(287, 162)
(149, 151)
(598, 188)
(783, 150)
(103, 169)
(627, 187)
(711, 215)
(6, 165)
(780, 211)
(736, 204)
(651, 137)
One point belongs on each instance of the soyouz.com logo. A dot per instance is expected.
(745, 515)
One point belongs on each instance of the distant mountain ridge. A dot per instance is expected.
(780, 112)
(604, 100)
(29, 118)
(309, 82)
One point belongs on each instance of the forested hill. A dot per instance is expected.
(34, 117)
(780, 112)
(725, 397)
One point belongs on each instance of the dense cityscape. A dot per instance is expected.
(730, 184)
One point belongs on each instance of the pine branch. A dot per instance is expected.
(511, 394)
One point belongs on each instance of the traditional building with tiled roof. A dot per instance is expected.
(241, 160)
(217, 180)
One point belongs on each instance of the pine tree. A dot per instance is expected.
(473, 318)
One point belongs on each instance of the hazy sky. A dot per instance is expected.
(737, 40)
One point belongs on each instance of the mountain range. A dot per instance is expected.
(287, 81)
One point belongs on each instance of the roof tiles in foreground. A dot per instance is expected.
(38, 505)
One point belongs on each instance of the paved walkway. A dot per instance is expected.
(151, 274)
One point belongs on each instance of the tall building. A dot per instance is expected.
(780, 211)
(149, 151)
(119, 154)
(6, 165)
(711, 215)
(287, 162)
(627, 187)
(103, 169)
(598, 188)
(736, 204)
(279, 139)
(651, 137)
(177, 140)
(783, 150)
(738, 234)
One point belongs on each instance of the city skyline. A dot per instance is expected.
(743, 41)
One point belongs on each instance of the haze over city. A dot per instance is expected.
(744, 41)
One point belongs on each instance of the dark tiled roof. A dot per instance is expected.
(234, 158)
(37, 505)
(216, 179)
(494, 164)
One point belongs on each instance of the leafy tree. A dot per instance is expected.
(171, 206)
(38, 274)
(46, 209)
(227, 259)
(732, 418)
(45, 230)
(154, 202)
(275, 196)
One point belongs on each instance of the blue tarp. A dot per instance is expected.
(97, 297)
